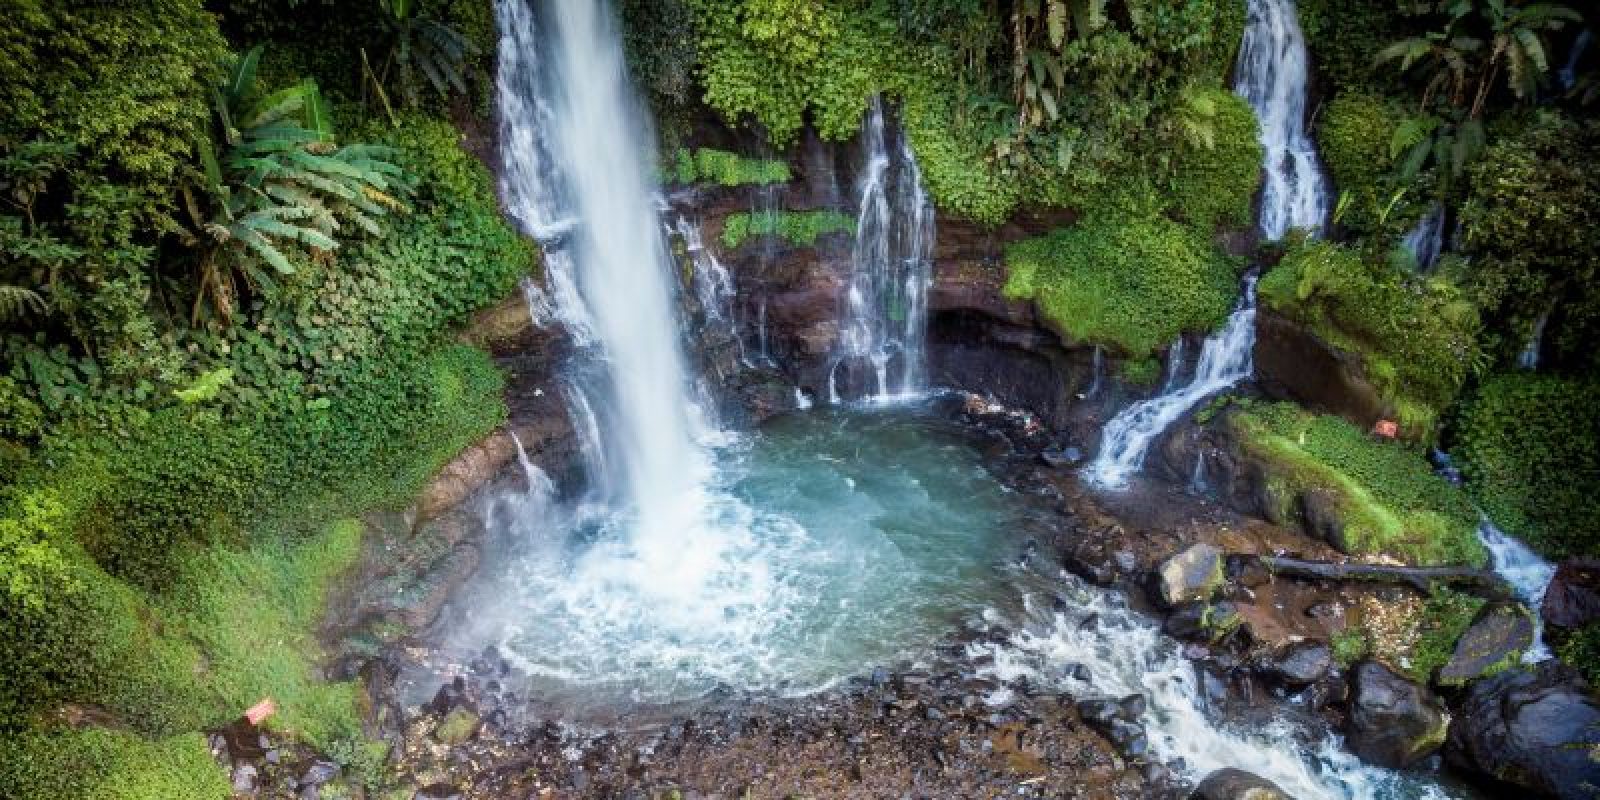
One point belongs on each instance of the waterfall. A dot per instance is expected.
(713, 288)
(1568, 75)
(1197, 479)
(1528, 574)
(1272, 78)
(1097, 368)
(574, 147)
(1272, 72)
(1528, 359)
(1174, 365)
(1225, 359)
(1426, 241)
(883, 323)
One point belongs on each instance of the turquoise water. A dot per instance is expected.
(831, 542)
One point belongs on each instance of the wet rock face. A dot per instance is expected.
(1535, 729)
(1191, 576)
(1393, 722)
(1573, 598)
(1236, 784)
(1299, 665)
(1494, 642)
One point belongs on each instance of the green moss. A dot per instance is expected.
(1349, 646)
(456, 727)
(1415, 337)
(1353, 140)
(1214, 182)
(1387, 499)
(1527, 446)
(800, 228)
(1445, 616)
(1141, 371)
(725, 169)
(1130, 284)
(1581, 651)
(96, 764)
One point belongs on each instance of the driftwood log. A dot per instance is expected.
(1480, 582)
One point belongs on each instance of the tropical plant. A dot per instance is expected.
(280, 184)
(1482, 41)
(419, 43)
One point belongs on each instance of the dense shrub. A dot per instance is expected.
(1416, 337)
(800, 228)
(1344, 36)
(1214, 180)
(1132, 285)
(1354, 137)
(1527, 445)
(724, 168)
(1387, 498)
(1530, 229)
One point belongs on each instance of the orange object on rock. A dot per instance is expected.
(1387, 428)
(260, 711)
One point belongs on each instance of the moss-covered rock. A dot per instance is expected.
(1366, 496)
(1130, 284)
(1214, 181)
(1416, 338)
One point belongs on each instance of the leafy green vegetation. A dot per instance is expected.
(1218, 166)
(1383, 495)
(1526, 444)
(1416, 337)
(1132, 285)
(1445, 616)
(725, 169)
(1581, 651)
(109, 765)
(801, 228)
(1354, 139)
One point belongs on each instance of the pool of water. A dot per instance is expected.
(829, 543)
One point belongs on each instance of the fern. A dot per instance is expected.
(17, 302)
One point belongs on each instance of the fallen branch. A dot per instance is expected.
(1480, 582)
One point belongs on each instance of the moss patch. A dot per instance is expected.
(1387, 500)
(1214, 181)
(800, 228)
(1133, 285)
(724, 168)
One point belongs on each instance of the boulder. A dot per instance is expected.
(465, 474)
(1393, 722)
(1536, 729)
(1299, 664)
(1191, 576)
(1496, 640)
(1208, 622)
(1573, 597)
(1236, 784)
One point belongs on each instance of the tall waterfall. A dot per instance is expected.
(1272, 72)
(1272, 78)
(573, 144)
(883, 326)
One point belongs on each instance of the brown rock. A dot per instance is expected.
(1573, 598)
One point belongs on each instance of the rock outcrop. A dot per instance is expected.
(1496, 641)
(1573, 597)
(1393, 722)
(1236, 784)
(1537, 729)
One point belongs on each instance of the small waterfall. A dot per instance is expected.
(1097, 367)
(539, 484)
(1272, 78)
(1197, 478)
(1225, 359)
(1528, 574)
(1568, 75)
(713, 288)
(1174, 365)
(1272, 72)
(883, 323)
(763, 350)
(1528, 359)
(1425, 241)
(802, 401)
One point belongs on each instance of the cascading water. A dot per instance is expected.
(1126, 653)
(884, 321)
(1528, 574)
(1272, 78)
(1425, 241)
(1272, 72)
(1528, 359)
(1225, 359)
(1174, 365)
